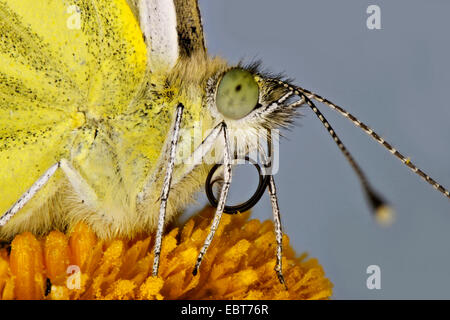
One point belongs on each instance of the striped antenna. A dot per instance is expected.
(377, 138)
(381, 209)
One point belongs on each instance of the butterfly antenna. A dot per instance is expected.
(377, 138)
(382, 211)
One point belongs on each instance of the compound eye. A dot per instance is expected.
(237, 94)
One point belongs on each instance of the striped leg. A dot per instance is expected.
(166, 188)
(278, 229)
(275, 208)
(222, 200)
(29, 194)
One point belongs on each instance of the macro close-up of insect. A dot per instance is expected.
(119, 113)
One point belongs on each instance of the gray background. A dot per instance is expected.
(397, 81)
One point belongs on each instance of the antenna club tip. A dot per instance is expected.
(385, 215)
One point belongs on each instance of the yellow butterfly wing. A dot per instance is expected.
(59, 59)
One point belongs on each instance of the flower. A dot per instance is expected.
(238, 265)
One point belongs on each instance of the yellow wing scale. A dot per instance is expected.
(50, 70)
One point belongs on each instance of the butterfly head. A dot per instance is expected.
(245, 98)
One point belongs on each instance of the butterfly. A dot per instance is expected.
(98, 104)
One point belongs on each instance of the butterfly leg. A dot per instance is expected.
(166, 189)
(29, 194)
(278, 229)
(222, 200)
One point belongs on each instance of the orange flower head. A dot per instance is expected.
(238, 265)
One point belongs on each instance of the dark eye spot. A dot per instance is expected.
(238, 88)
